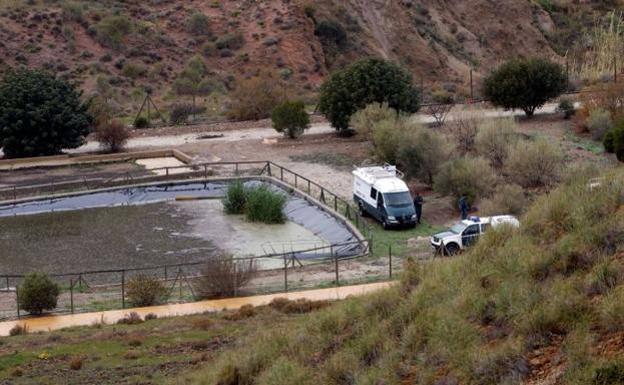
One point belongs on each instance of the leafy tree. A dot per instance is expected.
(192, 80)
(422, 153)
(330, 31)
(198, 24)
(525, 84)
(290, 118)
(38, 293)
(143, 290)
(365, 82)
(40, 115)
(255, 98)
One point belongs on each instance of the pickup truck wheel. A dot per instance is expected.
(451, 249)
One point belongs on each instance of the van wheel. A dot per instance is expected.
(385, 225)
(452, 249)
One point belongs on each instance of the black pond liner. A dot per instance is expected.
(298, 210)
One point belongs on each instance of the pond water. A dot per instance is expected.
(145, 226)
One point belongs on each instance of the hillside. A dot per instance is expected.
(119, 48)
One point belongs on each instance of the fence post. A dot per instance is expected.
(337, 272)
(285, 274)
(236, 169)
(17, 300)
(123, 289)
(295, 180)
(167, 171)
(235, 279)
(165, 273)
(390, 260)
(71, 295)
(7, 282)
(269, 168)
(205, 172)
(281, 173)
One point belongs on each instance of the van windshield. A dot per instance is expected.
(401, 199)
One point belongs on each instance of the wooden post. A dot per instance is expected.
(471, 88)
(17, 300)
(285, 274)
(390, 260)
(123, 289)
(71, 295)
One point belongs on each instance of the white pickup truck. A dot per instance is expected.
(467, 232)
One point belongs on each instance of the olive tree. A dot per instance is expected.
(365, 82)
(38, 293)
(525, 84)
(40, 115)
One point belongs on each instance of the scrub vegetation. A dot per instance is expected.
(258, 203)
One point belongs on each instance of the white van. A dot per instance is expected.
(381, 193)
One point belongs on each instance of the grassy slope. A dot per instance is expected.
(482, 318)
(523, 305)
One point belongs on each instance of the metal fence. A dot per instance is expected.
(329, 265)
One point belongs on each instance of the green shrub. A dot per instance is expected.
(422, 152)
(113, 30)
(235, 200)
(331, 31)
(534, 163)
(610, 374)
(365, 119)
(612, 310)
(40, 115)
(599, 123)
(265, 205)
(233, 41)
(72, 11)
(38, 293)
(198, 24)
(525, 84)
(143, 290)
(141, 122)
(209, 49)
(614, 140)
(365, 82)
(604, 277)
(290, 118)
(181, 112)
(507, 199)
(566, 106)
(387, 138)
(255, 98)
(494, 138)
(133, 70)
(471, 176)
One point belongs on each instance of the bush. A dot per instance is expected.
(255, 98)
(222, 276)
(40, 115)
(566, 106)
(507, 199)
(614, 140)
(235, 200)
(365, 119)
(133, 70)
(265, 205)
(181, 112)
(493, 140)
(290, 118)
(75, 363)
(365, 82)
(141, 122)
(112, 31)
(18, 330)
(464, 128)
(330, 31)
(143, 290)
(534, 164)
(197, 24)
(38, 293)
(471, 176)
(525, 84)
(611, 374)
(112, 135)
(422, 153)
(599, 123)
(233, 41)
(130, 319)
(388, 137)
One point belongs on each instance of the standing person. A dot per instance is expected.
(418, 203)
(463, 206)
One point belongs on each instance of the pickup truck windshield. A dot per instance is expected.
(398, 199)
(458, 228)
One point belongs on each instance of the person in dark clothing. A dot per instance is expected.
(418, 203)
(463, 206)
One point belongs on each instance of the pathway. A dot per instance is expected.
(55, 322)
